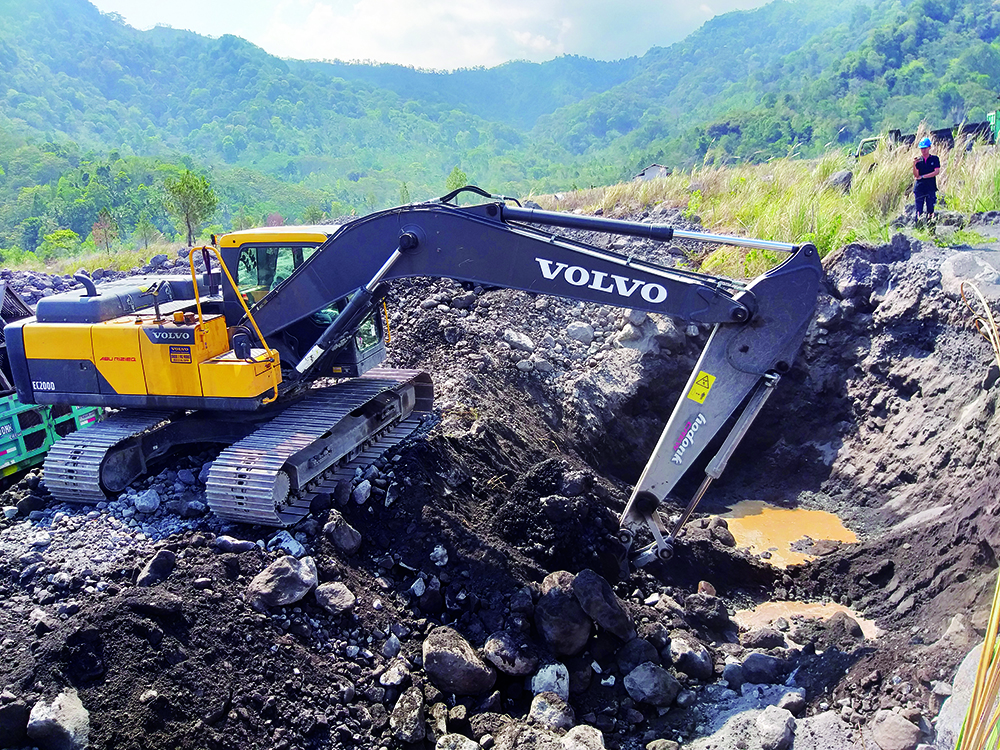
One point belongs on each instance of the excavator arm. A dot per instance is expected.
(758, 327)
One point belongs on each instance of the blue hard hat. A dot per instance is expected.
(925, 143)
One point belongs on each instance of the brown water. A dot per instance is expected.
(760, 527)
(765, 614)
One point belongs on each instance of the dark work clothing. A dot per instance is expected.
(926, 166)
(926, 201)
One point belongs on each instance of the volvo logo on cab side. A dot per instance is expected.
(162, 336)
(601, 281)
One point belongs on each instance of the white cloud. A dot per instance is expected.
(438, 34)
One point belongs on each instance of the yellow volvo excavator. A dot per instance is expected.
(244, 353)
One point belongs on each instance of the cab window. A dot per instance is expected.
(263, 267)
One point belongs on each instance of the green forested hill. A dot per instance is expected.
(94, 113)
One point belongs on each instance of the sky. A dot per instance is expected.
(435, 34)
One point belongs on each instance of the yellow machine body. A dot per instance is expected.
(152, 360)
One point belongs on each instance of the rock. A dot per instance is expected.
(793, 701)
(362, 492)
(156, 603)
(63, 724)
(397, 674)
(521, 736)
(287, 544)
(454, 741)
(147, 501)
(186, 476)
(552, 678)
(518, 341)
(775, 727)
(203, 474)
(551, 711)
(634, 653)
(662, 745)
(723, 535)
(583, 737)
(692, 658)
(763, 638)
(840, 181)
(580, 331)
(599, 601)
(391, 647)
(510, 654)
(407, 719)
(761, 669)
(335, 598)
(464, 301)
(892, 732)
(41, 622)
(559, 617)
(487, 723)
(284, 581)
(14, 724)
(709, 611)
(344, 537)
(232, 544)
(453, 665)
(649, 683)
(157, 569)
(733, 675)
(157, 260)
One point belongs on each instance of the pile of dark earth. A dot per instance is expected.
(466, 591)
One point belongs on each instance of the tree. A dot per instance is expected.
(191, 199)
(455, 180)
(313, 214)
(58, 244)
(31, 233)
(145, 230)
(104, 230)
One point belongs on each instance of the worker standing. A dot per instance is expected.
(926, 168)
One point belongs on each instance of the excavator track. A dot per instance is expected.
(270, 476)
(74, 465)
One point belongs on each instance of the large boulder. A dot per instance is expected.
(649, 683)
(891, 731)
(599, 601)
(407, 719)
(552, 712)
(157, 569)
(63, 724)
(285, 581)
(335, 598)
(453, 665)
(510, 653)
(691, 657)
(775, 728)
(559, 617)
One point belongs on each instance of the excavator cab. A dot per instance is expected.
(261, 260)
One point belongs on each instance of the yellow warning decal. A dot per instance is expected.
(702, 385)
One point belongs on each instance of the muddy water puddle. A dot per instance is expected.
(788, 536)
(765, 615)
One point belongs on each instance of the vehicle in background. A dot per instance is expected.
(987, 132)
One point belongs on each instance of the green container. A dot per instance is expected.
(27, 431)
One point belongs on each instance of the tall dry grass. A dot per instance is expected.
(791, 200)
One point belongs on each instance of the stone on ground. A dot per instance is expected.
(453, 665)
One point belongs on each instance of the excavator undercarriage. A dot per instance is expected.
(273, 466)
